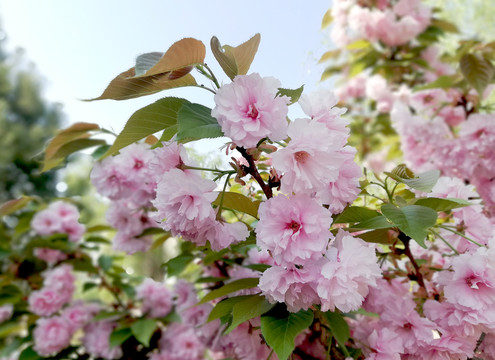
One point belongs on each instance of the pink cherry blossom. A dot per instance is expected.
(96, 340)
(170, 155)
(156, 298)
(180, 342)
(45, 302)
(248, 110)
(51, 335)
(294, 229)
(351, 268)
(223, 234)
(50, 256)
(6, 312)
(79, 314)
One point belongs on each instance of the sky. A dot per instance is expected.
(79, 46)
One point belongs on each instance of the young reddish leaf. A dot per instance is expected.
(182, 54)
(70, 148)
(126, 86)
(73, 132)
(12, 206)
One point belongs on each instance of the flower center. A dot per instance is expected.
(301, 156)
(252, 112)
(294, 226)
(138, 164)
(472, 282)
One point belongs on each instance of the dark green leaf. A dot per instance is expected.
(158, 116)
(280, 327)
(143, 330)
(117, 337)
(338, 326)
(105, 262)
(293, 94)
(413, 220)
(253, 306)
(195, 123)
(353, 214)
(440, 204)
(378, 222)
(379, 236)
(236, 285)
(29, 354)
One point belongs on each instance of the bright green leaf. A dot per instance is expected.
(442, 82)
(327, 19)
(158, 116)
(412, 220)
(143, 329)
(195, 123)
(236, 285)
(423, 182)
(280, 327)
(224, 307)
(440, 204)
(331, 54)
(378, 222)
(247, 309)
(177, 264)
(293, 94)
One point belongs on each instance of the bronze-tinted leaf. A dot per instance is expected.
(73, 132)
(225, 58)
(181, 54)
(126, 86)
(70, 148)
(477, 70)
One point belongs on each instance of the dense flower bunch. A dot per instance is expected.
(288, 249)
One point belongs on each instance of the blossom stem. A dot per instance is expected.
(446, 242)
(208, 169)
(219, 212)
(461, 234)
(407, 251)
(253, 171)
(212, 76)
(206, 88)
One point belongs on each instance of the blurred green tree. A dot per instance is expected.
(27, 121)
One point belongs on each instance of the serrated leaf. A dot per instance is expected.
(353, 214)
(224, 307)
(158, 116)
(117, 337)
(293, 94)
(424, 181)
(377, 222)
(412, 220)
(441, 204)
(280, 328)
(143, 329)
(236, 285)
(477, 70)
(177, 264)
(68, 149)
(327, 19)
(14, 205)
(338, 326)
(195, 123)
(238, 202)
(125, 86)
(403, 172)
(235, 60)
(251, 307)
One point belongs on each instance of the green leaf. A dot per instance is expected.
(10, 327)
(442, 82)
(253, 306)
(338, 327)
(88, 286)
(412, 220)
(379, 236)
(354, 214)
(235, 60)
(68, 149)
(144, 62)
(331, 54)
(177, 264)
(195, 123)
(108, 314)
(280, 327)
(224, 307)
(236, 285)
(359, 45)
(117, 337)
(10, 294)
(403, 172)
(293, 94)
(105, 262)
(477, 70)
(143, 330)
(29, 354)
(423, 182)
(445, 25)
(12, 206)
(329, 71)
(327, 19)
(158, 116)
(441, 204)
(378, 222)
(238, 202)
